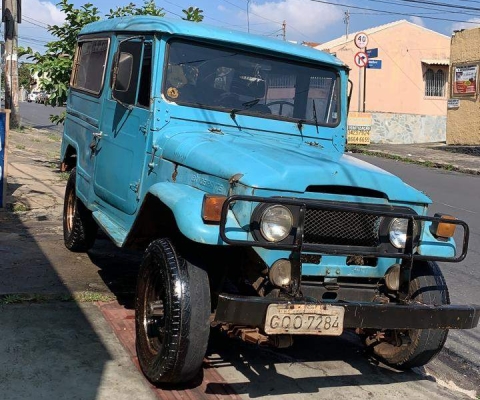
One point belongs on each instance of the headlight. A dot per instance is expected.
(276, 223)
(397, 232)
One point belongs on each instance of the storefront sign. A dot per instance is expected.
(465, 79)
(453, 103)
(359, 127)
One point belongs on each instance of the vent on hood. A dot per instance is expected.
(346, 190)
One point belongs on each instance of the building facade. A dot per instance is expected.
(463, 117)
(405, 87)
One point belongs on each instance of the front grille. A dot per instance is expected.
(341, 228)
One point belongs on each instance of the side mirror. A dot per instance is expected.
(123, 74)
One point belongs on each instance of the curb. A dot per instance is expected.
(418, 161)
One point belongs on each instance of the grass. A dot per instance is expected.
(79, 297)
(20, 207)
(88, 297)
(20, 146)
(64, 176)
(54, 137)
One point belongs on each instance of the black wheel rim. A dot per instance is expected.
(154, 320)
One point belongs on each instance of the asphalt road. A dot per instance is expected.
(459, 195)
(37, 116)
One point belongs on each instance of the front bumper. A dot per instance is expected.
(251, 311)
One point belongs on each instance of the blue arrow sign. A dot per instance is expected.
(374, 64)
(372, 53)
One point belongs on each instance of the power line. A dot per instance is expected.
(420, 7)
(36, 20)
(392, 12)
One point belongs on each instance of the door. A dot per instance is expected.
(120, 148)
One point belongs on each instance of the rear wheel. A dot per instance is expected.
(410, 348)
(172, 314)
(79, 227)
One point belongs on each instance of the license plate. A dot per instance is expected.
(306, 319)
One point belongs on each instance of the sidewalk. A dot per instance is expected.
(465, 159)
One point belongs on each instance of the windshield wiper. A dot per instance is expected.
(247, 105)
(315, 115)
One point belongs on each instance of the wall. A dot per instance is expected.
(399, 86)
(463, 124)
(407, 128)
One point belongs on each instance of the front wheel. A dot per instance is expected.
(172, 311)
(404, 349)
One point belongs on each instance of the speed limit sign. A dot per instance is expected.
(361, 40)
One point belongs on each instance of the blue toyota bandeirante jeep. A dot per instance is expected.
(221, 155)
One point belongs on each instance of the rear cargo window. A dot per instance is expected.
(89, 65)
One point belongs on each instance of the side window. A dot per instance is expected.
(89, 65)
(136, 55)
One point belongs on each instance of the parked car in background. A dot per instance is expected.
(32, 96)
(42, 97)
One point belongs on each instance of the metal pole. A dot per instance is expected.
(359, 88)
(364, 82)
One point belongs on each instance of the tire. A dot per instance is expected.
(427, 286)
(172, 325)
(79, 227)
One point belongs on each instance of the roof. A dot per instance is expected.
(343, 39)
(439, 61)
(152, 24)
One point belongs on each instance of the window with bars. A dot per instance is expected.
(435, 83)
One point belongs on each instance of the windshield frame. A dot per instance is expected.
(251, 52)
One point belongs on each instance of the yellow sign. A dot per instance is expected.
(359, 126)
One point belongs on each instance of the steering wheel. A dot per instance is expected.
(227, 99)
(281, 103)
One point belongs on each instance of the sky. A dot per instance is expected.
(305, 20)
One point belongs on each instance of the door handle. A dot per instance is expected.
(97, 135)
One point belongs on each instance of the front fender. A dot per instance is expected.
(186, 202)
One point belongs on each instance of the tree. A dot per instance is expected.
(25, 75)
(55, 66)
(193, 14)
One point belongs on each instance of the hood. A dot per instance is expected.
(281, 163)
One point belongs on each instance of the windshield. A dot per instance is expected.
(234, 81)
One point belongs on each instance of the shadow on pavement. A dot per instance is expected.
(313, 365)
(53, 347)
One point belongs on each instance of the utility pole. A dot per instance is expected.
(346, 21)
(284, 30)
(11, 16)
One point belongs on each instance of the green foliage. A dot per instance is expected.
(193, 14)
(55, 66)
(148, 8)
(24, 75)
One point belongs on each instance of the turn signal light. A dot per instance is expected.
(443, 229)
(212, 207)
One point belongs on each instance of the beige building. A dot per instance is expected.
(463, 116)
(407, 95)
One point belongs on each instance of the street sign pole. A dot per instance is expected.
(361, 59)
(364, 82)
(359, 88)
